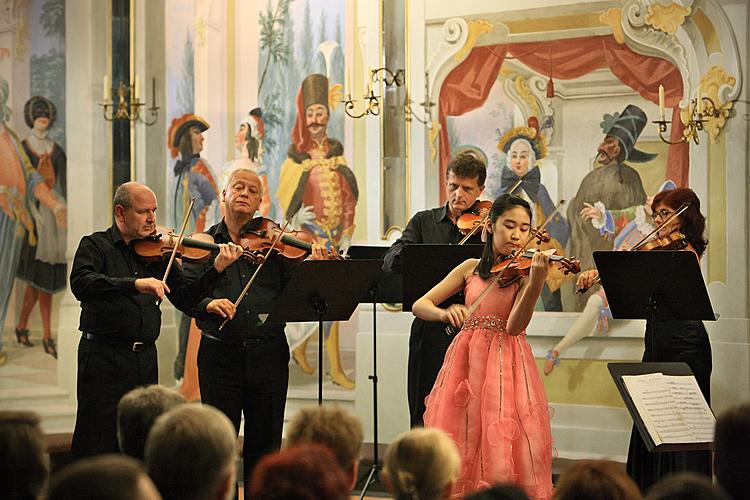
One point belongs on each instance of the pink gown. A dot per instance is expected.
(490, 399)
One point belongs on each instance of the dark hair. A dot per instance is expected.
(732, 449)
(469, 166)
(499, 492)
(136, 413)
(687, 486)
(23, 467)
(302, 472)
(186, 143)
(692, 222)
(594, 479)
(499, 206)
(105, 476)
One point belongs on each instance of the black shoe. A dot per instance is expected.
(50, 347)
(22, 336)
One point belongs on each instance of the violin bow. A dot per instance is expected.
(643, 240)
(257, 270)
(497, 277)
(179, 239)
(487, 217)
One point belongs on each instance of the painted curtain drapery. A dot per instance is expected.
(467, 87)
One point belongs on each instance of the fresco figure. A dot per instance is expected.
(614, 183)
(19, 184)
(628, 227)
(43, 266)
(195, 178)
(248, 140)
(318, 192)
(523, 147)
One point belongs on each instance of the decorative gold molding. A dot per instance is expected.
(715, 78)
(613, 18)
(22, 35)
(477, 28)
(667, 18)
(525, 93)
(433, 138)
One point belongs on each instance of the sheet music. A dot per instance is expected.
(672, 408)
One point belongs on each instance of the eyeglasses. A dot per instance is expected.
(663, 213)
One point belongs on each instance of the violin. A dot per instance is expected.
(514, 268)
(196, 247)
(477, 215)
(673, 241)
(260, 233)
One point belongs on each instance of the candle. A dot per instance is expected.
(369, 80)
(347, 83)
(137, 87)
(106, 89)
(661, 102)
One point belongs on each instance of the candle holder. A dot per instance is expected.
(372, 106)
(128, 105)
(388, 76)
(699, 109)
(427, 105)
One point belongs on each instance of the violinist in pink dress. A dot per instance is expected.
(489, 396)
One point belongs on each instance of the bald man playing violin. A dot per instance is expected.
(120, 316)
(464, 182)
(243, 366)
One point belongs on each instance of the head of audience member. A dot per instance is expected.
(301, 472)
(732, 450)
(23, 464)
(191, 453)
(333, 427)
(686, 486)
(421, 463)
(114, 477)
(596, 480)
(464, 182)
(499, 492)
(134, 206)
(136, 413)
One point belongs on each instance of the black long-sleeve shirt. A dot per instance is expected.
(428, 227)
(103, 280)
(260, 299)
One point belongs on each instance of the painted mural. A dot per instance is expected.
(33, 215)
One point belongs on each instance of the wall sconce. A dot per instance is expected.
(372, 106)
(128, 105)
(426, 104)
(698, 109)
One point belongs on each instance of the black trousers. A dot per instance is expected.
(250, 378)
(427, 345)
(105, 374)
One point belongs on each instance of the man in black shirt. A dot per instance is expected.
(120, 315)
(428, 341)
(244, 366)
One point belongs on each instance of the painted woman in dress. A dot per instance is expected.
(488, 395)
(43, 266)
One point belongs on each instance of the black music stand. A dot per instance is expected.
(618, 370)
(324, 290)
(428, 264)
(386, 289)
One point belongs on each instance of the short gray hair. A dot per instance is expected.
(189, 450)
(122, 197)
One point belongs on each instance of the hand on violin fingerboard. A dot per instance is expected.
(228, 253)
(319, 252)
(587, 279)
(540, 266)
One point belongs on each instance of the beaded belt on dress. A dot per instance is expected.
(486, 323)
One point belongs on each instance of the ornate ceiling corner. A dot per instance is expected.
(667, 18)
(455, 34)
(477, 28)
(611, 17)
(713, 84)
(529, 94)
(646, 40)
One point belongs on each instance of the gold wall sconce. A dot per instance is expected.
(128, 106)
(699, 111)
